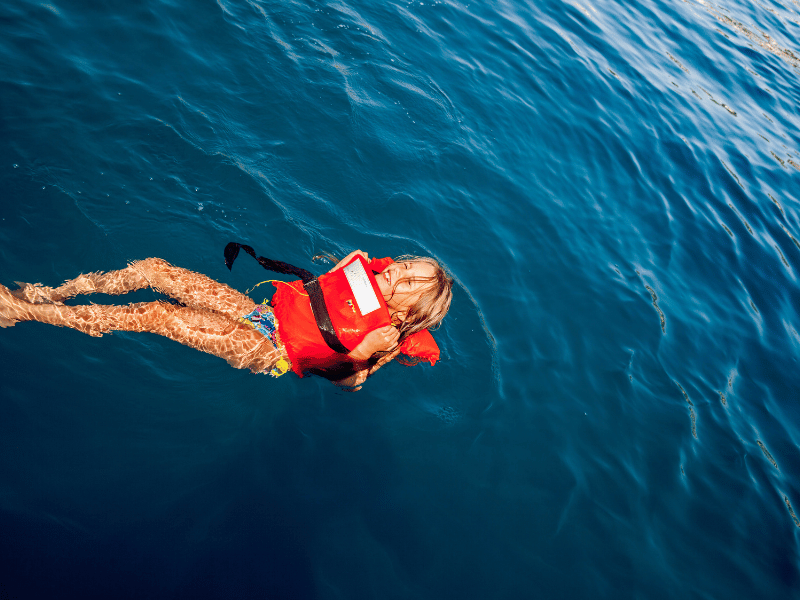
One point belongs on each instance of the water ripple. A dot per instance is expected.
(614, 188)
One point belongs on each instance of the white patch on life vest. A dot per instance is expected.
(361, 287)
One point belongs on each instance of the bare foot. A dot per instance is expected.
(35, 293)
(7, 308)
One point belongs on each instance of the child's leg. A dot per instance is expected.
(193, 289)
(188, 287)
(113, 282)
(204, 330)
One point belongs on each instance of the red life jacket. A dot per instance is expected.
(356, 307)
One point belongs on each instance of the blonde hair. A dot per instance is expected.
(433, 302)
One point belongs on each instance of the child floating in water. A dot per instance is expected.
(374, 311)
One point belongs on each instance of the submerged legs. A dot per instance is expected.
(207, 322)
(187, 287)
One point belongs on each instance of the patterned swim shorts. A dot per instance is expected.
(263, 320)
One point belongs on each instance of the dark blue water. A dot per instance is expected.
(614, 187)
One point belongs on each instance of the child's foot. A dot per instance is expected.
(35, 293)
(9, 312)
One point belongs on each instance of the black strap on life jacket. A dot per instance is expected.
(310, 283)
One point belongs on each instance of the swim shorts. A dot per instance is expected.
(263, 320)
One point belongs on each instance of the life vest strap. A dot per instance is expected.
(323, 317)
(232, 251)
(310, 283)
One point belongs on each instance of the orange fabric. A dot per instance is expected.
(298, 328)
(421, 345)
(300, 334)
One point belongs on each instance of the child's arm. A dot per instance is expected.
(353, 383)
(383, 339)
(348, 258)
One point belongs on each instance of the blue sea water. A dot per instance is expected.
(614, 187)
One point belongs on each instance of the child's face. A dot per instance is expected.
(402, 283)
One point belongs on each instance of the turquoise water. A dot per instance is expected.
(615, 190)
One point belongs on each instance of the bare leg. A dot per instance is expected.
(188, 287)
(204, 330)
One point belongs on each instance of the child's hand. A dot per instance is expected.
(382, 339)
(348, 258)
(352, 383)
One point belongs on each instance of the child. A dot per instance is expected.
(375, 325)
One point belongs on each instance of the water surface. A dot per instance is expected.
(614, 188)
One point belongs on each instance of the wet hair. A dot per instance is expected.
(434, 300)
